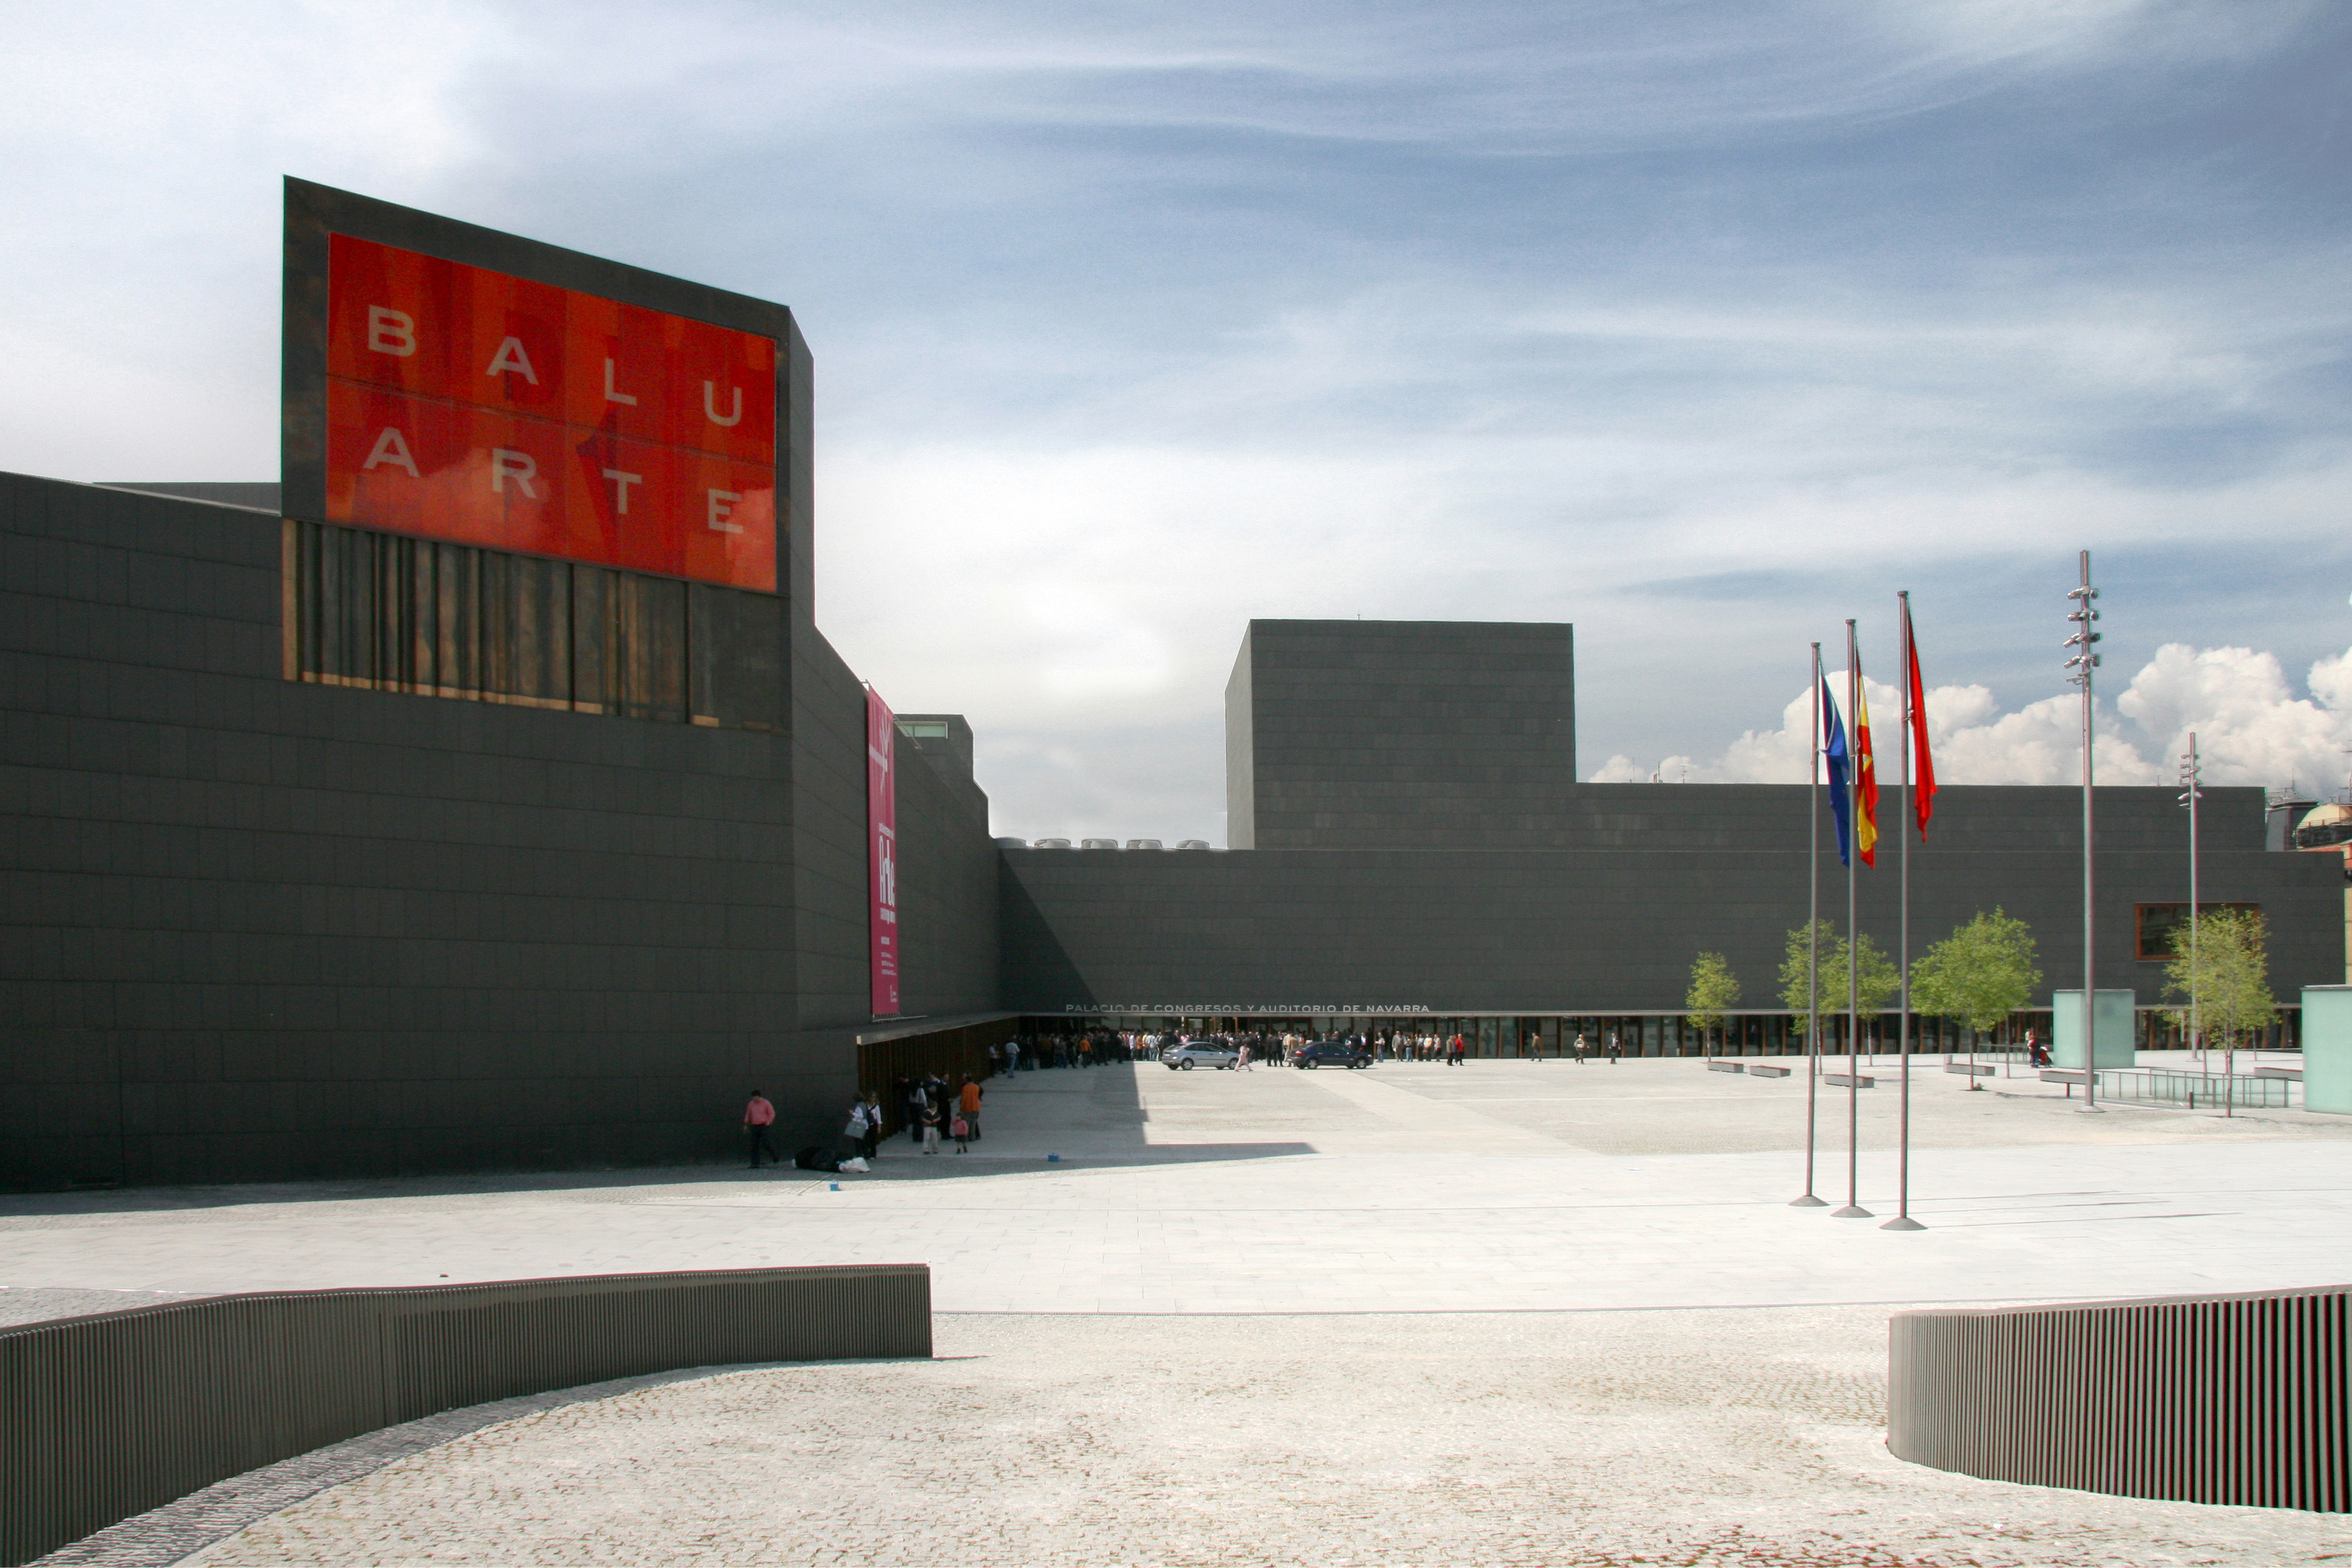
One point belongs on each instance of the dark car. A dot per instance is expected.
(1332, 1054)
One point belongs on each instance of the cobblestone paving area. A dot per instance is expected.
(169, 1535)
(1737, 1438)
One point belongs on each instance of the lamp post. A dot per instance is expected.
(2190, 793)
(2083, 663)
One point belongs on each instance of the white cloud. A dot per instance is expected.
(2251, 729)
(1132, 324)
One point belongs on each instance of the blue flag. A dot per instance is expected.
(1837, 754)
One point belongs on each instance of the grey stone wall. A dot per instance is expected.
(1399, 734)
(1667, 871)
(947, 873)
(1241, 751)
(259, 928)
(949, 758)
(948, 903)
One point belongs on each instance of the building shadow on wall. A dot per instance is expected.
(1034, 971)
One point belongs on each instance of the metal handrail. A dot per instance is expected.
(2160, 1086)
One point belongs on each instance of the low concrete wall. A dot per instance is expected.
(2223, 1399)
(107, 1417)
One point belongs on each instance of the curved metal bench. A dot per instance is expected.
(2222, 1399)
(106, 1416)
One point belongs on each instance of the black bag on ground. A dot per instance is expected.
(816, 1158)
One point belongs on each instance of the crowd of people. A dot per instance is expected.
(931, 1108)
(1096, 1047)
(934, 1110)
(1092, 1048)
(1088, 1048)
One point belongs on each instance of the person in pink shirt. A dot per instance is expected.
(759, 1115)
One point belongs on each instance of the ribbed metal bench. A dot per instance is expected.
(2237, 1399)
(105, 1416)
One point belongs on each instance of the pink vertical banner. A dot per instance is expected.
(882, 851)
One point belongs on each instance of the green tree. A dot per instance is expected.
(1979, 974)
(1876, 981)
(1876, 978)
(1713, 990)
(2230, 977)
(1802, 986)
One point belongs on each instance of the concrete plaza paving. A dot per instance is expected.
(1493, 1186)
(1508, 1312)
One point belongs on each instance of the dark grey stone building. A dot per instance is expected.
(336, 848)
(331, 849)
(1423, 844)
(261, 928)
(1400, 735)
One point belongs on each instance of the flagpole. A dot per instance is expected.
(1903, 1220)
(1813, 943)
(1853, 1209)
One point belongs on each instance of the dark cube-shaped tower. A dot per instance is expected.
(1400, 735)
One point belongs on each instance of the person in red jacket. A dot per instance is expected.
(759, 1115)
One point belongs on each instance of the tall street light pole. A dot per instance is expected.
(2190, 793)
(2083, 663)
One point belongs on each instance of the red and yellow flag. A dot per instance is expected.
(1865, 780)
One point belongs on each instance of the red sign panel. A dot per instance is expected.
(882, 851)
(469, 405)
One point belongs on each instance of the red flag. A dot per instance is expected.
(1922, 787)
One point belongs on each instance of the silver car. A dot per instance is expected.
(1208, 1053)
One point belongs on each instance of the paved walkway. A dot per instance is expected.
(1495, 1187)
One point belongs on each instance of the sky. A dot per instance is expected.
(1704, 327)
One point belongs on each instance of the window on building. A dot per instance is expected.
(924, 730)
(437, 619)
(2323, 835)
(2159, 926)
